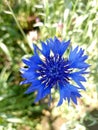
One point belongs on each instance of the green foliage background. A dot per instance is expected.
(25, 21)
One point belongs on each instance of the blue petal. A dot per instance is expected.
(80, 84)
(32, 89)
(29, 73)
(54, 45)
(29, 77)
(46, 91)
(36, 49)
(25, 82)
(35, 59)
(74, 99)
(36, 84)
(66, 92)
(39, 94)
(45, 49)
(72, 55)
(78, 76)
(84, 58)
(77, 58)
(57, 46)
(23, 70)
(64, 46)
(61, 100)
(74, 96)
(42, 92)
(26, 61)
(32, 66)
(81, 65)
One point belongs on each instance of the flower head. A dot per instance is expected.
(52, 70)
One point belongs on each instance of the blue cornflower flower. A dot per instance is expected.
(48, 69)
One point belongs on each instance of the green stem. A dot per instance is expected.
(18, 25)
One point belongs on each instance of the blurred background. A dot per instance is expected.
(23, 22)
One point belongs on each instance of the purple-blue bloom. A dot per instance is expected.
(48, 69)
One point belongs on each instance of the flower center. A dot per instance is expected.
(54, 69)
